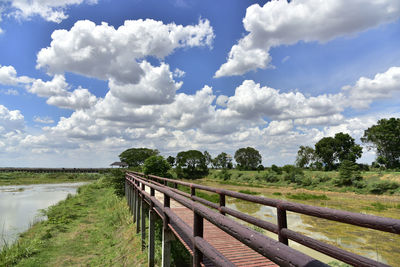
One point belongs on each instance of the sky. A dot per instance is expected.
(83, 80)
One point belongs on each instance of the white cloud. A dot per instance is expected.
(178, 73)
(281, 22)
(252, 100)
(56, 87)
(382, 86)
(9, 92)
(10, 120)
(8, 76)
(49, 10)
(44, 120)
(78, 99)
(279, 127)
(222, 100)
(156, 86)
(104, 52)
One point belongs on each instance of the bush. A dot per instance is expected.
(271, 177)
(381, 187)
(348, 174)
(293, 174)
(224, 174)
(276, 169)
(117, 181)
(156, 165)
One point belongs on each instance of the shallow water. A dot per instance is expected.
(20, 206)
(309, 227)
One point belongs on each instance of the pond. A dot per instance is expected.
(369, 243)
(20, 206)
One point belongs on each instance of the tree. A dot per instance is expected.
(385, 138)
(156, 165)
(305, 156)
(247, 158)
(171, 161)
(337, 149)
(223, 161)
(135, 157)
(208, 158)
(191, 164)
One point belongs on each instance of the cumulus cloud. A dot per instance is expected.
(78, 99)
(104, 52)
(251, 100)
(279, 127)
(49, 10)
(284, 23)
(57, 86)
(10, 120)
(383, 85)
(156, 86)
(8, 76)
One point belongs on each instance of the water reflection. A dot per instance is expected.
(19, 206)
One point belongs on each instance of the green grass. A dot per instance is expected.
(306, 196)
(92, 228)
(249, 192)
(23, 178)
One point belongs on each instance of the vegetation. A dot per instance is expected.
(384, 137)
(21, 178)
(306, 196)
(92, 228)
(191, 164)
(247, 158)
(223, 161)
(135, 157)
(156, 165)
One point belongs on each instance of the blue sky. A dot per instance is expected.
(83, 80)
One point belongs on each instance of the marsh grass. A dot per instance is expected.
(92, 228)
(24, 178)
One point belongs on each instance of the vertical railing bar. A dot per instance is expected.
(221, 203)
(198, 230)
(282, 223)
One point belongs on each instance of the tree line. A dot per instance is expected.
(328, 153)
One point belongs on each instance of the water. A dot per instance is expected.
(20, 206)
(299, 223)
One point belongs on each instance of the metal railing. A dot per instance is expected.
(277, 251)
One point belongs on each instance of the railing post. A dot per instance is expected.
(282, 223)
(166, 237)
(151, 230)
(192, 192)
(143, 222)
(135, 200)
(221, 203)
(198, 223)
(138, 211)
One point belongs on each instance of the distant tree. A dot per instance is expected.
(337, 149)
(384, 137)
(276, 169)
(136, 156)
(171, 161)
(156, 165)
(349, 174)
(305, 156)
(191, 164)
(208, 158)
(247, 158)
(223, 161)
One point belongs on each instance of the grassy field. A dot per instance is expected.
(93, 228)
(371, 243)
(372, 182)
(23, 178)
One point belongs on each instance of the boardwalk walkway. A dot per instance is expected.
(231, 248)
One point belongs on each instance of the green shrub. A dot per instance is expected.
(277, 193)
(224, 174)
(381, 187)
(156, 165)
(270, 177)
(348, 174)
(276, 169)
(249, 192)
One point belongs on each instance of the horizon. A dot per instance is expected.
(83, 80)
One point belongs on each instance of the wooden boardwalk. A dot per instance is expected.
(232, 249)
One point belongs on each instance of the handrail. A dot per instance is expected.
(367, 221)
(273, 250)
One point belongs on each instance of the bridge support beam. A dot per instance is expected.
(143, 223)
(198, 229)
(135, 199)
